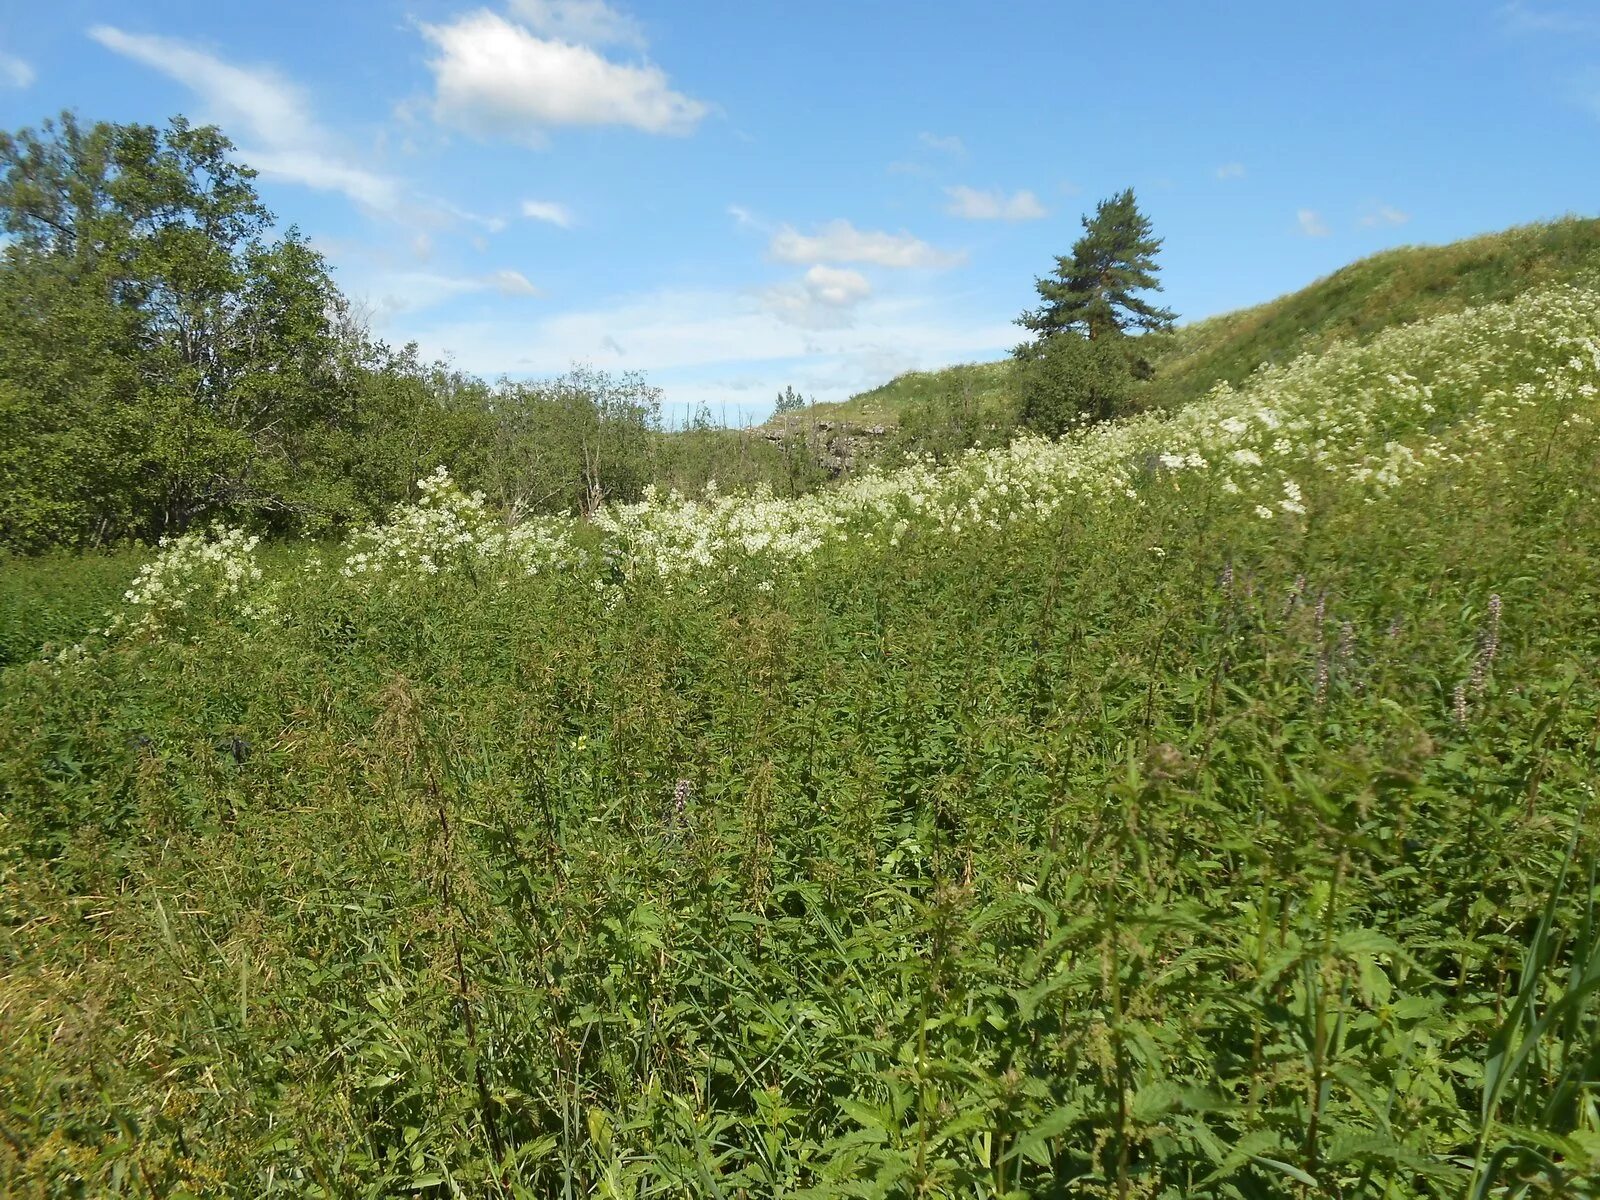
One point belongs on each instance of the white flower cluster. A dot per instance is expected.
(1348, 415)
(193, 571)
(446, 529)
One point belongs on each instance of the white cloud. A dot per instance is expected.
(838, 286)
(840, 241)
(1311, 223)
(580, 22)
(689, 341)
(548, 211)
(448, 211)
(494, 78)
(1385, 215)
(271, 117)
(993, 205)
(317, 170)
(394, 292)
(945, 145)
(823, 298)
(743, 217)
(1232, 170)
(14, 72)
(510, 283)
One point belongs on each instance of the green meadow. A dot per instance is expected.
(1200, 804)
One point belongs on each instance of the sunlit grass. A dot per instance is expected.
(1198, 806)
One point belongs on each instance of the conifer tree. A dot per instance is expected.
(1093, 291)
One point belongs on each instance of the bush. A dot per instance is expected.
(1070, 380)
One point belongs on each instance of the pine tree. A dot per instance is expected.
(1093, 290)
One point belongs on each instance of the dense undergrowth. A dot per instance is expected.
(1200, 806)
(54, 599)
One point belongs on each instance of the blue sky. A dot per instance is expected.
(737, 196)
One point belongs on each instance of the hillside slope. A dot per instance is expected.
(1395, 287)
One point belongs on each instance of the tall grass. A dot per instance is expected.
(885, 845)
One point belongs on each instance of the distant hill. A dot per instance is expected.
(1392, 288)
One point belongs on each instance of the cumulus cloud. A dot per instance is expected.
(840, 241)
(581, 22)
(1311, 223)
(548, 211)
(822, 299)
(279, 133)
(1233, 170)
(993, 205)
(945, 145)
(496, 78)
(1383, 215)
(14, 72)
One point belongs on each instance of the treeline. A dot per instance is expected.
(166, 359)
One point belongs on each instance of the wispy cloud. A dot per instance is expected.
(496, 78)
(14, 72)
(1232, 170)
(396, 292)
(510, 283)
(824, 298)
(1384, 215)
(548, 211)
(1311, 223)
(279, 132)
(994, 205)
(840, 241)
(948, 144)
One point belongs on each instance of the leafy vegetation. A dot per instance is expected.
(51, 601)
(1199, 805)
(1355, 303)
(165, 363)
(1080, 364)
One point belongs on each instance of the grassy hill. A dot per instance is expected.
(1354, 303)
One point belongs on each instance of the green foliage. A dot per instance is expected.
(159, 358)
(789, 401)
(164, 364)
(1071, 381)
(1095, 290)
(51, 601)
(1353, 304)
(1150, 847)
